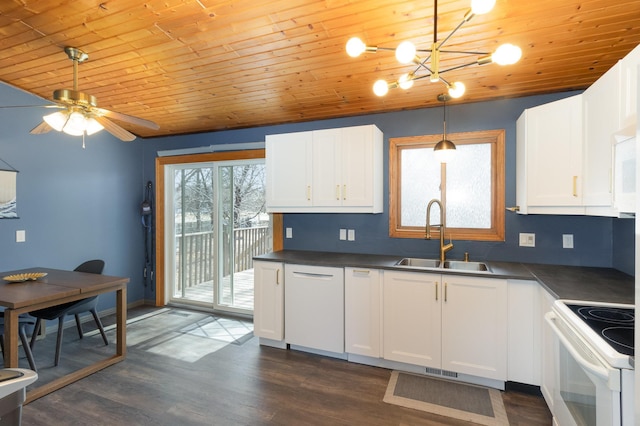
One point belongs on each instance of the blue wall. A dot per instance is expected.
(74, 204)
(77, 204)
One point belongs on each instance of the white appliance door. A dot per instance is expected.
(314, 307)
(587, 390)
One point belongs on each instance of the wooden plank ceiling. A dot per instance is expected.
(203, 65)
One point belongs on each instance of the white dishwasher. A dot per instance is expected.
(314, 307)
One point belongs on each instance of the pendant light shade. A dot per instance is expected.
(445, 150)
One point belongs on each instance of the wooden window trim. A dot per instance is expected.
(160, 205)
(496, 138)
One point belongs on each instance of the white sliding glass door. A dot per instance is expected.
(215, 223)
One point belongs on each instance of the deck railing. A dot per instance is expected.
(196, 265)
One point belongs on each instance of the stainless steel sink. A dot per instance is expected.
(460, 265)
(465, 266)
(419, 263)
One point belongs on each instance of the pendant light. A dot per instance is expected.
(445, 150)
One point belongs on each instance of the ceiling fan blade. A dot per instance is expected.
(126, 118)
(115, 130)
(32, 106)
(41, 128)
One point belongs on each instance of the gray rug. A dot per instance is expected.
(447, 398)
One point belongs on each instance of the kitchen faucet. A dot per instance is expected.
(442, 225)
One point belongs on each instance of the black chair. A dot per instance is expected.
(23, 322)
(72, 308)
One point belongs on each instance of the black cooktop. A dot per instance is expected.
(615, 325)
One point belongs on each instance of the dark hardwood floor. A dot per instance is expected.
(170, 378)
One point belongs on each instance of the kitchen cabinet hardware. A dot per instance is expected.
(445, 291)
(361, 271)
(575, 186)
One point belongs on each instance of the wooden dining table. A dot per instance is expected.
(58, 287)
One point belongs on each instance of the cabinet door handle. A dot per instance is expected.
(575, 186)
(309, 192)
(337, 192)
(277, 276)
(361, 271)
(445, 292)
(436, 292)
(344, 192)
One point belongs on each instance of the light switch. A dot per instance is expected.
(343, 234)
(21, 236)
(289, 233)
(527, 240)
(567, 240)
(351, 235)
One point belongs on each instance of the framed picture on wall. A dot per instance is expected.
(8, 194)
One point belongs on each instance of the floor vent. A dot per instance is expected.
(440, 372)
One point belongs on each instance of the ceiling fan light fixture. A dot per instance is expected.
(76, 124)
(92, 126)
(57, 120)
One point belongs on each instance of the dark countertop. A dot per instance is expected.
(563, 282)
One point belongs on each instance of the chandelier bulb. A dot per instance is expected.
(355, 47)
(457, 89)
(480, 7)
(507, 54)
(406, 52)
(406, 81)
(380, 88)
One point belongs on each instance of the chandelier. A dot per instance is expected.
(429, 66)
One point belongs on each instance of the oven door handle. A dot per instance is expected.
(596, 370)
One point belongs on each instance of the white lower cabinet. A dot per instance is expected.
(412, 318)
(268, 309)
(362, 311)
(524, 332)
(450, 322)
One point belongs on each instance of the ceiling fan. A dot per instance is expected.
(80, 114)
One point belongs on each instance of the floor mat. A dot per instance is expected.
(447, 398)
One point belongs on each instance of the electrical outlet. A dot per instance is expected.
(527, 240)
(351, 234)
(289, 233)
(567, 240)
(343, 234)
(21, 236)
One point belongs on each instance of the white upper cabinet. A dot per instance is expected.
(330, 171)
(288, 163)
(629, 88)
(573, 162)
(601, 104)
(549, 158)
